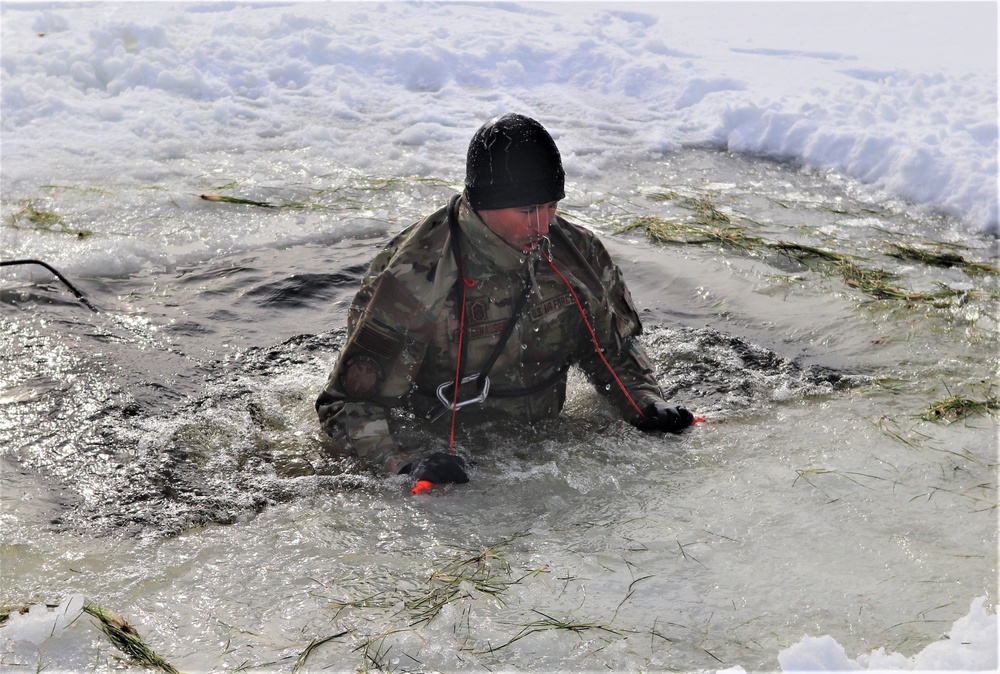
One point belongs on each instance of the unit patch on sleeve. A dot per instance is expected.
(361, 377)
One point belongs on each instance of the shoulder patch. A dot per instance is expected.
(361, 377)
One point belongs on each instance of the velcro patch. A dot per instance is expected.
(549, 306)
(381, 344)
(487, 329)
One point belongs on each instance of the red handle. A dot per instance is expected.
(421, 486)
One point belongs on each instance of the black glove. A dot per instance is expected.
(437, 468)
(663, 417)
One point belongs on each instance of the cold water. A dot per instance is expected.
(161, 457)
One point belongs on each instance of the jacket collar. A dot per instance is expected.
(484, 253)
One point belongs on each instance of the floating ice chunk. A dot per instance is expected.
(40, 638)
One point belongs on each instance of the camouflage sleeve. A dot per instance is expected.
(617, 326)
(387, 340)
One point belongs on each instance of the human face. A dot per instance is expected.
(521, 226)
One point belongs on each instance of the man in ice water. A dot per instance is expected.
(478, 311)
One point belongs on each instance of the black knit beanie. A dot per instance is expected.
(513, 161)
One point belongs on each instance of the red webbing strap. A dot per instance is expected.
(593, 336)
(463, 283)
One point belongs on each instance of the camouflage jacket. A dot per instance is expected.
(403, 330)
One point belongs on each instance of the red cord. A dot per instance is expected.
(424, 485)
(597, 344)
(466, 283)
(470, 283)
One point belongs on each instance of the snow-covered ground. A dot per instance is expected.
(901, 96)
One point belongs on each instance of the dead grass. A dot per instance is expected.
(707, 224)
(127, 639)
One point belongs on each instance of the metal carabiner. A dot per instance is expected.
(471, 401)
(545, 245)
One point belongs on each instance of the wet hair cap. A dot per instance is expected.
(513, 161)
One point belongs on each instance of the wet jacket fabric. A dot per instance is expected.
(403, 329)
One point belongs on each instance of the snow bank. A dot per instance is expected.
(970, 645)
(901, 96)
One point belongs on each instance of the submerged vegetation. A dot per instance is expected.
(706, 223)
(126, 638)
(485, 574)
(957, 407)
(939, 258)
(465, 579)
(352, 196)
(236, 200)
(31, 216)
